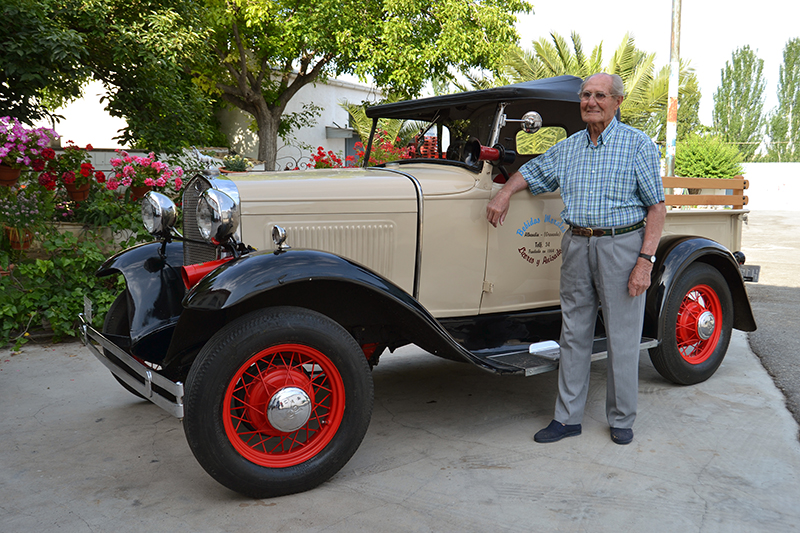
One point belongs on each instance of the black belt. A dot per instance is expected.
(602, 232)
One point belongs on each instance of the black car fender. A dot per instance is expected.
(675, 253)
(359, 299)
(155, 292)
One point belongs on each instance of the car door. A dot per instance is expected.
(524, 255)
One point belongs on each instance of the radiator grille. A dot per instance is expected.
(194, 252)
(370, 244)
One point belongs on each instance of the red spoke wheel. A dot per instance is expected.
(284, 405)
(277, 402)
(696, 326)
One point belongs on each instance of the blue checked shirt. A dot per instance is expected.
(608, 185)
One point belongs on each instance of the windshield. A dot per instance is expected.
(444, 136)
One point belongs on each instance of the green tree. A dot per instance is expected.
(266, 51)
(707, 156)
(41, 61)
(739, 102)
(143, 52)
(646, 97)
(783, 125)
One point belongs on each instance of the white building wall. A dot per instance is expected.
(773, 186)
(330, 132)
(86, 122)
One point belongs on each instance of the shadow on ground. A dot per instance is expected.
(776, 341)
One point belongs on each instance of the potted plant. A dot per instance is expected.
(72, 169)
(25, 212)
(235, 163)
(21, 147)
(142, 174)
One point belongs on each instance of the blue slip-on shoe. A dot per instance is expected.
(622, 435)
(557, 431)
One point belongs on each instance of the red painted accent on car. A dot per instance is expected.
(191, 274)
(244, 408)
(693, 348)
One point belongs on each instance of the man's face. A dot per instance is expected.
(596, 109)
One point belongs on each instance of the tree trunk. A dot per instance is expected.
(268, 121)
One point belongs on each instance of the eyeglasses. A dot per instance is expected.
(598, 97)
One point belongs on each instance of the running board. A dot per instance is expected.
(543, 356)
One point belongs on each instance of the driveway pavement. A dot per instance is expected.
(449, 449)
(772, 239)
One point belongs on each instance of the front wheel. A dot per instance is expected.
(277, 402)
(117, 323)
(696, 326)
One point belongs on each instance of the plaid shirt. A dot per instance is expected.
(608, 185)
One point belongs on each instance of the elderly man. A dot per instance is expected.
(610, 182)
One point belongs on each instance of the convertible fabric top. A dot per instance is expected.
(561, 88)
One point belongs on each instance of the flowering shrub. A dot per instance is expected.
(236, 163)
(139, 171)
(26, 208)
(329, 159)
(72, 167)
(20, 146)
(383, 150)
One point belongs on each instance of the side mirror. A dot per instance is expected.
(531, 122)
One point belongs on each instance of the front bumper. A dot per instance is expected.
(163, 392)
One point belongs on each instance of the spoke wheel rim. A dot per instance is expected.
(700, 305)
(258, 380)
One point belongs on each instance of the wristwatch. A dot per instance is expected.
(650, 258)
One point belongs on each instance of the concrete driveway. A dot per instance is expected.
(449, 449)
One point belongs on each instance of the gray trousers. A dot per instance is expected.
(594, 270)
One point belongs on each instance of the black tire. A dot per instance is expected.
(249, 362)
(117, 323)
(696, 326)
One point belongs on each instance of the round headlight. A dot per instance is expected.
(159, 213)
(217, 215)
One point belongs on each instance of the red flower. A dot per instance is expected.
(86, 169)
(47, 180)
(100, 177)
(37, 165)
(48, 153)
(89, 147)
(68, 177)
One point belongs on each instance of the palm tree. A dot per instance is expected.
(646, 96)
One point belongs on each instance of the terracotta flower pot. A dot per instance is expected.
(19, 240)
(78, 193)
(138, 191)
(9, 176)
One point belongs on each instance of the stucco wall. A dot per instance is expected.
(235, 123)
(86, 122)
(773, 186)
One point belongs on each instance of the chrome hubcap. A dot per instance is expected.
(705, 325)
(289, 409)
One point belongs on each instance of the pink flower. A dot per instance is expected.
(127, 182)
(149, 182)
(178, 183)
(128, 171)
(161, 182)
(112, 185)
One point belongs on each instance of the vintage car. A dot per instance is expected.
(266, 355)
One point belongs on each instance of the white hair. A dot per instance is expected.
(617, 86)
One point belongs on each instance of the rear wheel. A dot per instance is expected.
(277, 402)
(696, 326)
